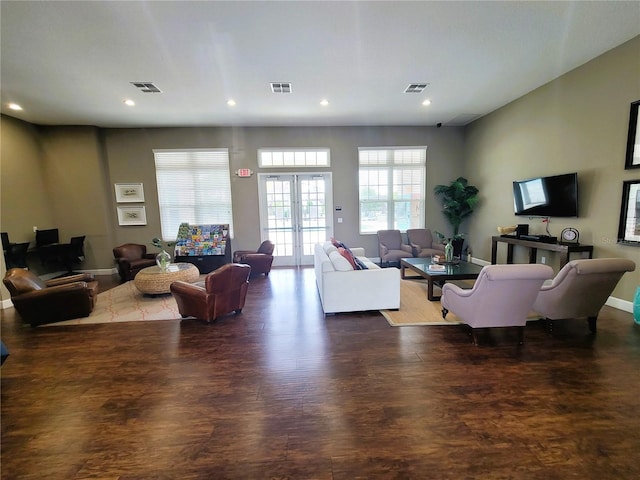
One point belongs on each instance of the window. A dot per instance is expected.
(289, 157)
(194, 186)
(392, 188)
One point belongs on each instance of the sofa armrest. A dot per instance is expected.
(81, 277)
(357, 251)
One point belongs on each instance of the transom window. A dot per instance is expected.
(392, 188)
(194, 186)
(291, 157)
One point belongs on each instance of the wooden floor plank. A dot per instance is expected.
(283, 392)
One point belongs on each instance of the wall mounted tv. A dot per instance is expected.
(555, 196)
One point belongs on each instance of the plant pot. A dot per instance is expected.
(458, 243)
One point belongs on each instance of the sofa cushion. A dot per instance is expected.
(329, 247)
(340, 263)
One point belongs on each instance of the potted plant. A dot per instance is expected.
(459, 200)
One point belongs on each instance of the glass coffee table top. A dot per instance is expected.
(450, 271)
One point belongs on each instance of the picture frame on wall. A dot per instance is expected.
(129, 192)
(633, 138)
(133, 215)
(629, 227)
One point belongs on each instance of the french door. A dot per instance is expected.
(295, 214)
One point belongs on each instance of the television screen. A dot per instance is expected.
(555, 196)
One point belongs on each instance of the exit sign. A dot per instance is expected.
(244, 172)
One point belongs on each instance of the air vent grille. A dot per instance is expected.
(281, 87)
(415, 87)
(146, 87)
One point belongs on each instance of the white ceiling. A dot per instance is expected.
(71, 63)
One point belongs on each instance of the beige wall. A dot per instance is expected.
(576, 123)
(24, 194)
(130, 157)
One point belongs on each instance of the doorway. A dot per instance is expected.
(295, 214)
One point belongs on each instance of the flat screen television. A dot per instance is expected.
(555, 196)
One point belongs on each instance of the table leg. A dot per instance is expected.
(430, 294)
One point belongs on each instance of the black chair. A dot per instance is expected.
(46, 244)
(73, 253)
(16, 255)
(5, 241)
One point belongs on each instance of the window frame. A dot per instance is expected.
(393, 167)
(292, 153)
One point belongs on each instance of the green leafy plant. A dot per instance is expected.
(158, 243)
(459, 200)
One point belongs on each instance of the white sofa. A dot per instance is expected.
(343, 289)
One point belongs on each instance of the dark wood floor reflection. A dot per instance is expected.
(281, 392)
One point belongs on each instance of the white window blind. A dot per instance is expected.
(289, 157)
(194, 186)
(392, 188)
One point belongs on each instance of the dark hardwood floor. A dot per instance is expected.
(281, 392)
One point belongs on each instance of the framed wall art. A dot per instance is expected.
(129, 192)
(633, 138)
(629, 228)
(134, 215)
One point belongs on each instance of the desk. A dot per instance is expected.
(565, 249)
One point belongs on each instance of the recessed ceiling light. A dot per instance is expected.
(129, 102)
(324, 102)
(426, 103)
(15, 106)
(231, 102)
(415, 87)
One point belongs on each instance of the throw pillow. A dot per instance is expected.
(346, 253)
(360, 264)
(340, 263)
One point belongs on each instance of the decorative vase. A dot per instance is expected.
(163, 259)
(448, 252)
(636, 306)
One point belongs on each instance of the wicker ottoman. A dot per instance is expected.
(153, 281)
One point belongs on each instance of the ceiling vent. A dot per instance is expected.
(281, 87)
(415, 87)
(146, 87)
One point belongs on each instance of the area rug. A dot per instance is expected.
(416, 309)
(125, 303)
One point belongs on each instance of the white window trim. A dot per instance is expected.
(292, 152)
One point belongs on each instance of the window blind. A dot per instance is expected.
(194, 186)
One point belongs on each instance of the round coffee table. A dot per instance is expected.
(154, 281)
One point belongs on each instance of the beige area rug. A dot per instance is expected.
(415, 309)
(125, 303)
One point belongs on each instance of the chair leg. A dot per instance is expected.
(474, 335)
(592, 324)
(520, 335)
(444, 312)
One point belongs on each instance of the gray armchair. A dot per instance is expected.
(581, 289)
(501, 297)
(391, 248)
(422, 244)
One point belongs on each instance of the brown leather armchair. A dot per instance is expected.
(223, 291)
(131, 258)
(259, 260)
(55, 300)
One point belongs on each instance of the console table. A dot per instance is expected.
(565, 249)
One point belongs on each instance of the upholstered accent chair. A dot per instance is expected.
(391, 248)
(131, 258)
(259, 260)
(422, 243)
(502, 296)
(581, 288)
(223, 291)
(55, 300)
